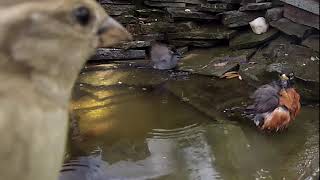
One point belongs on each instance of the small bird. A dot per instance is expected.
(275, 104)
(163, 58)
(43, 46)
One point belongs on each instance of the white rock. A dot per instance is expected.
(259, 25)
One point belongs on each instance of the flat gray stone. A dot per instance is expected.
(253, 1)
(205, 33)
(118, 54)
(126, 19)
(116, 2)
(160, 27)
(225, 1)
(274, 14)
(291, 28)
(182, 13)
(249, 39)
(301, 16)
(308, 5)
(150, 37)
(255, 6)
(133, 45)
(180, 1)
(234, 19)
(117, 10)
(149, 12)
(164, 4)
(195, 43)
(216, 8)
(312, 42)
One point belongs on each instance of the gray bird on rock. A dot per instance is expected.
(163, 58)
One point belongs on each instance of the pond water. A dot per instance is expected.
(167, 125)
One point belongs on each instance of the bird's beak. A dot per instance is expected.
(111, 33)
(284, 77)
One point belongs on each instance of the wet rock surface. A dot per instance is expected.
(256, 6)
(281, 55)
(192, 24)
(214, 62)
(183, 13)
(206, 33)
(291, 28)
(312, 42)
(274, 14)
(216, 8)
(234, 19)
(249, 39)
(116, 54)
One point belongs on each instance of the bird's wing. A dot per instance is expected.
(265, 98)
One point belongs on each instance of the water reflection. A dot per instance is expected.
(147, 131)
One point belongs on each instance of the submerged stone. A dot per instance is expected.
(214, 62)
(249, 39)
(234, 19)
(121, 74)
(208, 95)
(291, 28)
(116, 54)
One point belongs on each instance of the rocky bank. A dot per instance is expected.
(221, 28)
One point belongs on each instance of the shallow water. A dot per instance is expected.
(171, 126)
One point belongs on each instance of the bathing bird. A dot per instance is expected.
(163, 58)
(275, 104)
(43, 46)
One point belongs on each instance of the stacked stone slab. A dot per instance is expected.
(203, 23)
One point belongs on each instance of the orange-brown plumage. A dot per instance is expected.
(291, 100)
(275, 105)
(277, 120)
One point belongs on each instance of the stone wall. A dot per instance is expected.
(198, 23)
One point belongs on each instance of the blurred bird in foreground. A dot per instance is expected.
(43, 46)
(163, 58)
(275, 104)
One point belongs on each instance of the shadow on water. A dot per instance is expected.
(168, 125)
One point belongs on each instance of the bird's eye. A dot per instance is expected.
(82, 15)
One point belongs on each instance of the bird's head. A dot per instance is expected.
(53, 35)
(286, 79)
(47, 43)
